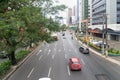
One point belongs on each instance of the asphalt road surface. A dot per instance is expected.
(51, 60)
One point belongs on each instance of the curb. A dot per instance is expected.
(20, 63)
(101, 55)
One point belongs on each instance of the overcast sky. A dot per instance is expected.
(69, 4)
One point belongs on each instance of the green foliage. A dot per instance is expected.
(113, 51)
(20, 55)
(21, 22)
(4, 67)
(94, 46)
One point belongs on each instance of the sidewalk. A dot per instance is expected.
(115, 59)
(112, 44)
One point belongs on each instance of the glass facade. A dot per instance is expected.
(118, 11)
(98, 9)
(84, 9)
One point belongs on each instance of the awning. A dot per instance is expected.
(93, 31)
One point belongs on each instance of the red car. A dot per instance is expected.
(75, 64)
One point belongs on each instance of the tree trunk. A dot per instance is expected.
(30, 45)
(13, 59)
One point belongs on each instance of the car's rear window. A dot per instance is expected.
(75, 62)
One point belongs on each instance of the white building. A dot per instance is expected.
(111, 8)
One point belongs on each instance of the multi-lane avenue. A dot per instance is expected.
(51, 60)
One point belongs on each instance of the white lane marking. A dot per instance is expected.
(49, 72)
(30, 73)
(69, 50)
(64, 48)
(59, 50)
(40, 57)
(54, 49)
(53, 56)
(68, 70)
(49, 50)
(39, 52)
(65, 56)
(83, 61)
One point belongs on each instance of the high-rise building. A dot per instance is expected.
(111, 9)
(69, 17)
(84, 9)
(77, 10)
(73, 11)
(84, 14)
(89, 12)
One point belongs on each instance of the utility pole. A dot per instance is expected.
(106, 36)
(103, 36)
(87, 31)
(86, 22)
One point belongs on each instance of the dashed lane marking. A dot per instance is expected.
(40, 57)
(30, 73)
(49, 71)
(68, 70)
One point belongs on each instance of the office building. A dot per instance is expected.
(69, 17)
(111, 9)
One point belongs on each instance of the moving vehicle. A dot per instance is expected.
(72, 37)
(45, 79)
(84, 50)
(55, 36)
(63, 34)
(74, 64)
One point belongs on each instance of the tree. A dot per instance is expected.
(22, 23)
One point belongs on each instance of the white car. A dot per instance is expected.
(45, 79)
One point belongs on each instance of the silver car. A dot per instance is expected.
(84, 50)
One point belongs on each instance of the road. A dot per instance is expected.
(51, 60)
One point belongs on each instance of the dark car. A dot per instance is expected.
(63, 34)
(84, 50)
(74, 64)
(3, 54)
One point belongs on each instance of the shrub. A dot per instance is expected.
(94, 46)
(113, 51)
(117, 52)
(20, 55)
(4, 67)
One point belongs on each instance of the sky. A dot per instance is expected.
(69, 4)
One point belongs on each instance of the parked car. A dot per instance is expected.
(100, 44)
(84, 50)
(74, 64)
(3, 54)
